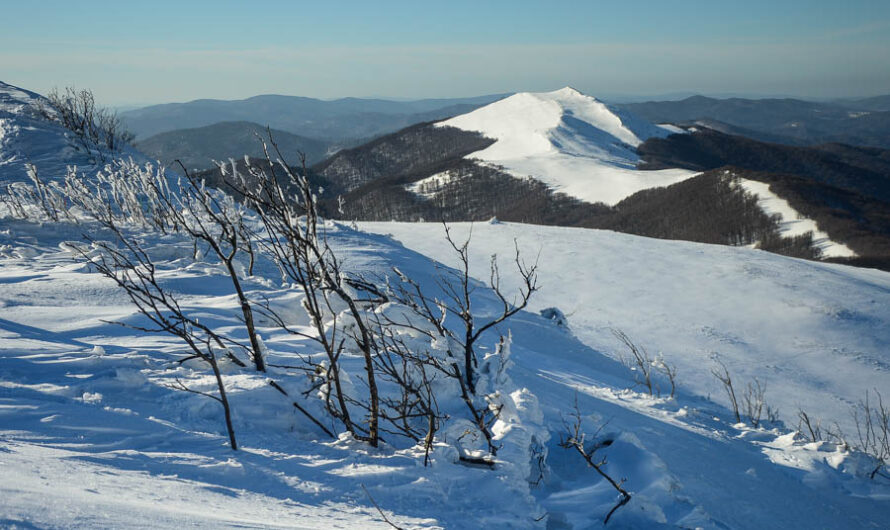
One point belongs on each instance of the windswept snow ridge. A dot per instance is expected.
(573, 142)
(26, 137)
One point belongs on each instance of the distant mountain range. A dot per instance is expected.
(198, 148)
(789, 121)
(327, 125)
(563, 158)
(877, 103)
(336, 120)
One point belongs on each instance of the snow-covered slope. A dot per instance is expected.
(817, 333)
(28, 138)
(573, 142)
(792, 223)
(25, 137)
(95, 433)
(91, 433)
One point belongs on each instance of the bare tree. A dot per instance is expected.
(433, 320)
(412, 410)
(216, 220)
(287, 207)
(458, 288)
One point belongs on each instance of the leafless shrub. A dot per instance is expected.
(872, 420)
(434, 317)
(287, 207)
(39, 200)
(645, 367)
(722, 374)
(575, 438)
(412, 409)
(752, 404)
(217, 221)
(404, 380)
(811, 429)
(129, 265)
(753, 401)
(96, 128)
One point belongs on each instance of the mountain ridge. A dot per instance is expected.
(789, 120)
(335, 119)
(198, 148)
(573, 142)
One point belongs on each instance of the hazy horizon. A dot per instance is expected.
(135, 55)
(607, 97)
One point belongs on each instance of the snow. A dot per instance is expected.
(573, 142)
(93, 434)
(95, 437)
(673, 129)
(792, 223)
(427, 187)
(815, 332)
(91, 402)
(28, 138)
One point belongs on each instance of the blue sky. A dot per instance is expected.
(147, 52)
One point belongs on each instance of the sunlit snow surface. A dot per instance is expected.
(816, 332)
(27, 138)
(90, 434)
(93, 436)
(573, 142)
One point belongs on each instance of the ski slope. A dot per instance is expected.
(572, 142)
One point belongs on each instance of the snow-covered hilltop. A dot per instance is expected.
(573, 142)
(28, 137)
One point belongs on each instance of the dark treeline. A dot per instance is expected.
(862, 170)
(411, 154)
(709, 208)
(389, 179)
(860, 222)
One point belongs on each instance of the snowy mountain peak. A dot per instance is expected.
(569, 91)
(572, 141)
(543, 121)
